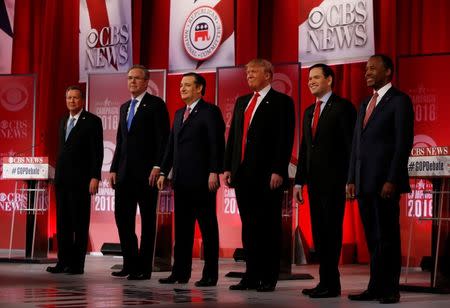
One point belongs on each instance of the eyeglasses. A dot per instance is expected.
(132, 78)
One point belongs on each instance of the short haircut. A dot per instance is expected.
(77, 88)
(198, 79)
(141, 67)
(387, 62)
(327, 71)
(266, 65)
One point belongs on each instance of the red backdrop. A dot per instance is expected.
(46, 43)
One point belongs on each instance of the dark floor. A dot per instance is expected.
(29, 285)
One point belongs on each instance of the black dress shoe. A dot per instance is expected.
(57, 269)
(206, 282)
(364, 296)
(311, 290)
(172, 279)
(122, 273)
(391, 299)
(139, 276)
(244, 285)
(266, 287)
(325, 293)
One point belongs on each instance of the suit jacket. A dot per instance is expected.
(323, 161)
(270, 139)
(195, 147)
(380, 151)
(141, 148)
(80, 157)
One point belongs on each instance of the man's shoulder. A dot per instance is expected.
(342, 102)
(152, 98)
(90, 116)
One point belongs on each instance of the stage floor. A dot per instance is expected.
(29, 285)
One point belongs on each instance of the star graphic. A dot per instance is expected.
(5, 25)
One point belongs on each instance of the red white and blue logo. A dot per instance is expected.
(202, 33)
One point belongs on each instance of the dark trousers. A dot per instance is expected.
(380, 218)
(327, 216)
(73, 212)
(129, 194)
(195, 205)
(260, 212)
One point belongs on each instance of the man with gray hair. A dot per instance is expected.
(141, 139)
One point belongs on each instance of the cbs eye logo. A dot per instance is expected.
(108, 153)
(13, 97)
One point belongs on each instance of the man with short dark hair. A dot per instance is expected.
(378, 175)
(323, 165)
(78, 171)
(141, 139)
(195, 152)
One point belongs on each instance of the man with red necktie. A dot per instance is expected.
(257, 157)
(378, 175)
(323, 164)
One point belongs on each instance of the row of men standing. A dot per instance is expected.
(254, 162)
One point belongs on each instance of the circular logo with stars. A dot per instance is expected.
(202, 33)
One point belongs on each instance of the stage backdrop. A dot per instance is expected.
(430, 96)
(335, 31)
(17, 97)
(105, 36)
(201, 34)
(232, 83)
(106, 92)
(6, 34)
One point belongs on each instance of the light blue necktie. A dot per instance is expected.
(131, 113)
(69, 127)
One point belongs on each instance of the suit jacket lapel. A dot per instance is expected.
(260, 108)
(386, 97)
(76, 128)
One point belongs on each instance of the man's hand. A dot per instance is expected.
(213, 182)
(154, 174)
(93, 186)
(227, 178)
(350, 191)
(388, 190)
(112, 180)
(160, 182)
(298, 194)
(275, 181)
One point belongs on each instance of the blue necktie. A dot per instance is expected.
(131, 113)
(69, 128)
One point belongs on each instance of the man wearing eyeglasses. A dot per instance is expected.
(141, 138)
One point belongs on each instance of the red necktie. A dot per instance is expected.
(186, 113)
(247, 118)
(316, 118)
(370, 108)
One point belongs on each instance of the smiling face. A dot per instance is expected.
(377, 75)
(189, 90)
(257, 77)
(74, 101)
(318, 84)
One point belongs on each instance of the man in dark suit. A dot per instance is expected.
(378, 174)
(257, 156)
(78, 171)
(195, 152)
(323, 165)
(141, 139)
